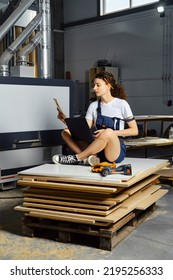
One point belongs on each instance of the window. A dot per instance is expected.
(135, 3)
(111, 6)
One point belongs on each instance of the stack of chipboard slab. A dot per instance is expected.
(76, 194)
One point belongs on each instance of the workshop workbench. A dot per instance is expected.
(147, 142)
(148, 118)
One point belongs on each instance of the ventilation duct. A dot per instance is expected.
(3, 5)
(10, 7)
(46, 44)
(5, 27)
(45, 55)
(23, 54)
(10, 51)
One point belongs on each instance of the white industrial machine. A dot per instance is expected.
(30, 132)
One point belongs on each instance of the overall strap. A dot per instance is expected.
(99, 107)
(114, 118)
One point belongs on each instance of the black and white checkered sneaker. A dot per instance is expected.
(70, 159)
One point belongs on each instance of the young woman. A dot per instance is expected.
(109, 114)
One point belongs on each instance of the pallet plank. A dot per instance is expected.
(106, 238)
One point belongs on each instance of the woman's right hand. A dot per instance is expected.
(61, 116)
(98, 132)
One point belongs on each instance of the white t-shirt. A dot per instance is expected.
(115, 108)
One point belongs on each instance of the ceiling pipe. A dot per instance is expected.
(11, 50)
(11, 6)
(46, 60)
(23, 6)
(22, 58)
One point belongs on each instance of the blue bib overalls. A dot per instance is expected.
(103, 122)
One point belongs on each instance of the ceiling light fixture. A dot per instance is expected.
(161, 8)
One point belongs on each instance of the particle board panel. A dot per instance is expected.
(125, 207)
(101, 181)
(125, 193)
(74, 197)
(105, 199)
(166, 172)
(141, 168)
(62, 218)
(145, 173)
(65, 186)
(152, 199)
(98, 200)
(147, 181)
(66, 203)
(87, 208)
(131, 203)
(136, 198)
(118, 225)
(121, 197)
(70, 209)
(60, 214)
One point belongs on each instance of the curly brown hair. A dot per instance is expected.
(117, 90)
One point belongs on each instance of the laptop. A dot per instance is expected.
(78, 126)
(79, 129)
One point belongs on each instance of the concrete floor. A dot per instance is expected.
(152, 240)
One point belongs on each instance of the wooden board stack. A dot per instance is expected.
(70, 199)
(166, 175)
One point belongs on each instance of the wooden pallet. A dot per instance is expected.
(104, 237)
